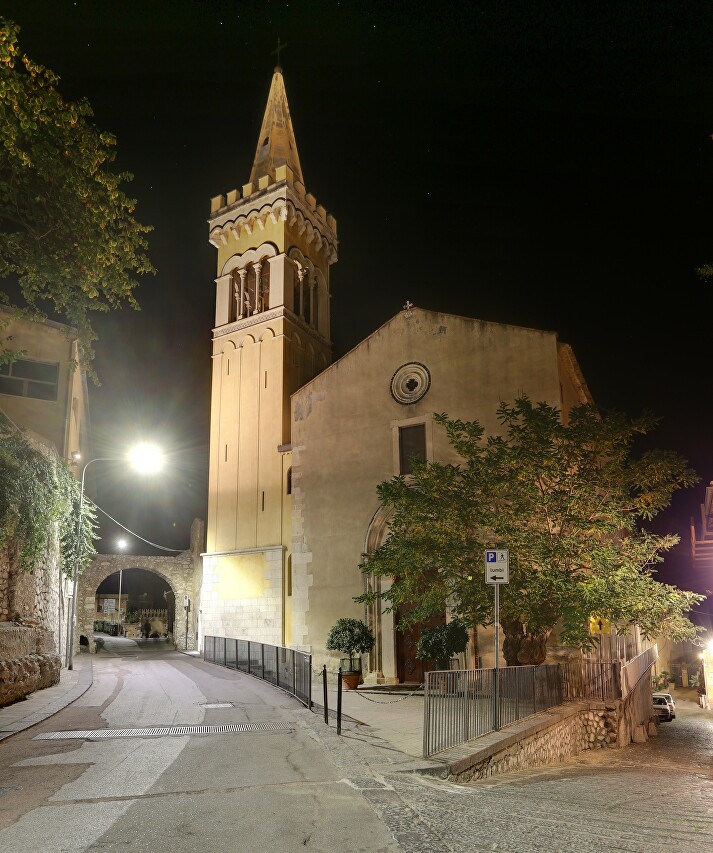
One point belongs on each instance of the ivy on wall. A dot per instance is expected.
(37, 493)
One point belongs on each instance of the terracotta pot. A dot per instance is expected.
(351, 680)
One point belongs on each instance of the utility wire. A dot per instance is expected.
(152, 544)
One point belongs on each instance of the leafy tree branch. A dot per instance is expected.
(68, 236)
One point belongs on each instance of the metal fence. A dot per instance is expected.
(288, 669)
(640, 666)
(586, 679)
(465, 704)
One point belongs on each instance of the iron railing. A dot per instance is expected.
(633, 671)
(587, 679)
(464, 704)
(288, 669)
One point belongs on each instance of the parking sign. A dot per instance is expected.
(497, 567)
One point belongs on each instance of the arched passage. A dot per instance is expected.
(147, 603)
(182, 574)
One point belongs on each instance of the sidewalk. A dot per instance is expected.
(394, 715)
(44, 703)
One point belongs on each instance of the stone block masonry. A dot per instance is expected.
(182, 573)
(546, 739)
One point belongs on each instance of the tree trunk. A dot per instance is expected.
(474, 648)
(533, 649)
(522, 648)
(512, 640)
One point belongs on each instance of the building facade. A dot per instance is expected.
(298, 445)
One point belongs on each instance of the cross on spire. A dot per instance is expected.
(278, 49)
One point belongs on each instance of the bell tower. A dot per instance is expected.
(275, 245)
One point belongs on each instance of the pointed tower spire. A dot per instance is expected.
(276, 144)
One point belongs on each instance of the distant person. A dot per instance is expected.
(146, 629)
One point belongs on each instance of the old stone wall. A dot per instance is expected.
(28, 661)
(592, 726)
(34, 598)
(32, 623)
(30, 595)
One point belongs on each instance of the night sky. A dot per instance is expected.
(541, 164)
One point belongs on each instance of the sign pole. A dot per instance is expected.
(497, 571)
(496, 715)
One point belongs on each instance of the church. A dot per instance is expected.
(299, 443)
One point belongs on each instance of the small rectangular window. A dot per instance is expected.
(412, 445)
(25, 378)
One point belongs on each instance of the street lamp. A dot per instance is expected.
(146, 458)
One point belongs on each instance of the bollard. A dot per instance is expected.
(324, 690)
(339, 702)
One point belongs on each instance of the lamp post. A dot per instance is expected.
(145, 458)
(121, 545)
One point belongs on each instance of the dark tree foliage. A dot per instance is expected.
(67, 234)
(567, 499)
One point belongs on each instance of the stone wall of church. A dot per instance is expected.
(345, 441)
(227, 613)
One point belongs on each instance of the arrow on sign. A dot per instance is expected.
(497, 577)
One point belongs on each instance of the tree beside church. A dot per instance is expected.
(567, 499)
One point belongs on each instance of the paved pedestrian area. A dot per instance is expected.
(656, 796)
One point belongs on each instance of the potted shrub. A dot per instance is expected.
(351, 637)
(439, 644)
(661, 681)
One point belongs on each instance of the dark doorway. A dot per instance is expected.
(409, 668)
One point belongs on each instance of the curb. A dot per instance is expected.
(61, 698)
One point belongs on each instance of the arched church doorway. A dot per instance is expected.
(409, 668)
(135, 603)
(394, 655)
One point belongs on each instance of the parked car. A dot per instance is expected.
(671, 704)
(662, 709)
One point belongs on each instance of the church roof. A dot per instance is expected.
(276, 144)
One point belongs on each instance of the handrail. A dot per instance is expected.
(288, 669)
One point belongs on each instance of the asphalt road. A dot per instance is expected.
(292, 784)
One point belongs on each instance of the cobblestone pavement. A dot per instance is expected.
(656, 796)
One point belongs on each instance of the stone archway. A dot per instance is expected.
(183, 574)
(382, 659)
(393, 659)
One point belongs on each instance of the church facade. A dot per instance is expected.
(298, 444)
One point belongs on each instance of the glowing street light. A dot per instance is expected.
(144, 458)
